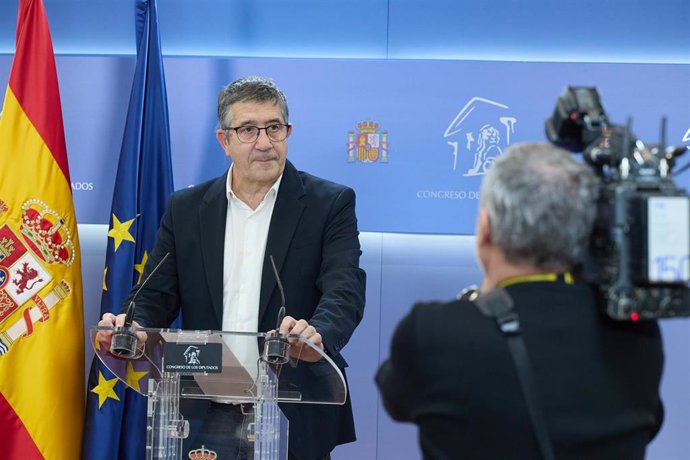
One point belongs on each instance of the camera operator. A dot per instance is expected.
(596, 379)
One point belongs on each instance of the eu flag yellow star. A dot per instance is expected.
(120, 231)
(132, 376)
(140, 266)
(105, 273)
(105, 389)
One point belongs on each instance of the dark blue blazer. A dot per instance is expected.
(313, 239)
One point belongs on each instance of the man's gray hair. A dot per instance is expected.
(541, 203)
(249, 89)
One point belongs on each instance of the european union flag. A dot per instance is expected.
(116, 415)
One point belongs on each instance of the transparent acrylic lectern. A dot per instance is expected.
(239, 368)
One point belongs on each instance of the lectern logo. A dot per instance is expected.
(202, 453)
(184, 358)
(191, 355)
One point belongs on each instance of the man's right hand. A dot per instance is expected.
(110, 320)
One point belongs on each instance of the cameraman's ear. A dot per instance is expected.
(483, 228)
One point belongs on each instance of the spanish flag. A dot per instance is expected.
(41, 321)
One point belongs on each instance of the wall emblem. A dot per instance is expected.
(478, 135)
(368, 145)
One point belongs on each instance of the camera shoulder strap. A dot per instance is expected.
(498, 304)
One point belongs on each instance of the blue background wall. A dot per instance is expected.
(412, 67)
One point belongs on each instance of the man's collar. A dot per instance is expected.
(228, 186)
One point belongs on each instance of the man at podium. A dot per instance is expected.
(221, 236)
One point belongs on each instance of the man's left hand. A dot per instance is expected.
(298, 350)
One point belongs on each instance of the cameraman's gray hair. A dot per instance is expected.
(249, 89)
(541, 203)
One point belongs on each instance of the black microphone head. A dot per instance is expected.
(124, 344)
(276, 347)
(129, 315)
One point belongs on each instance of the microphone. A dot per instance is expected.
(124, 343)
(275, 346)
(281, 310)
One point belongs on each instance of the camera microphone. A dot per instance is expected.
(124, 343)
(275, 347)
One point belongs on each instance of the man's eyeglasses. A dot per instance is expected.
(276, 132)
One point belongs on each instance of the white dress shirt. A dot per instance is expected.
(246, 233)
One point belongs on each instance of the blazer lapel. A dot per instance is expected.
(286, 215)
(212, 216)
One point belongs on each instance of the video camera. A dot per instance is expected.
(639, 255)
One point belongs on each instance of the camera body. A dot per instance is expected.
(639, 254)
